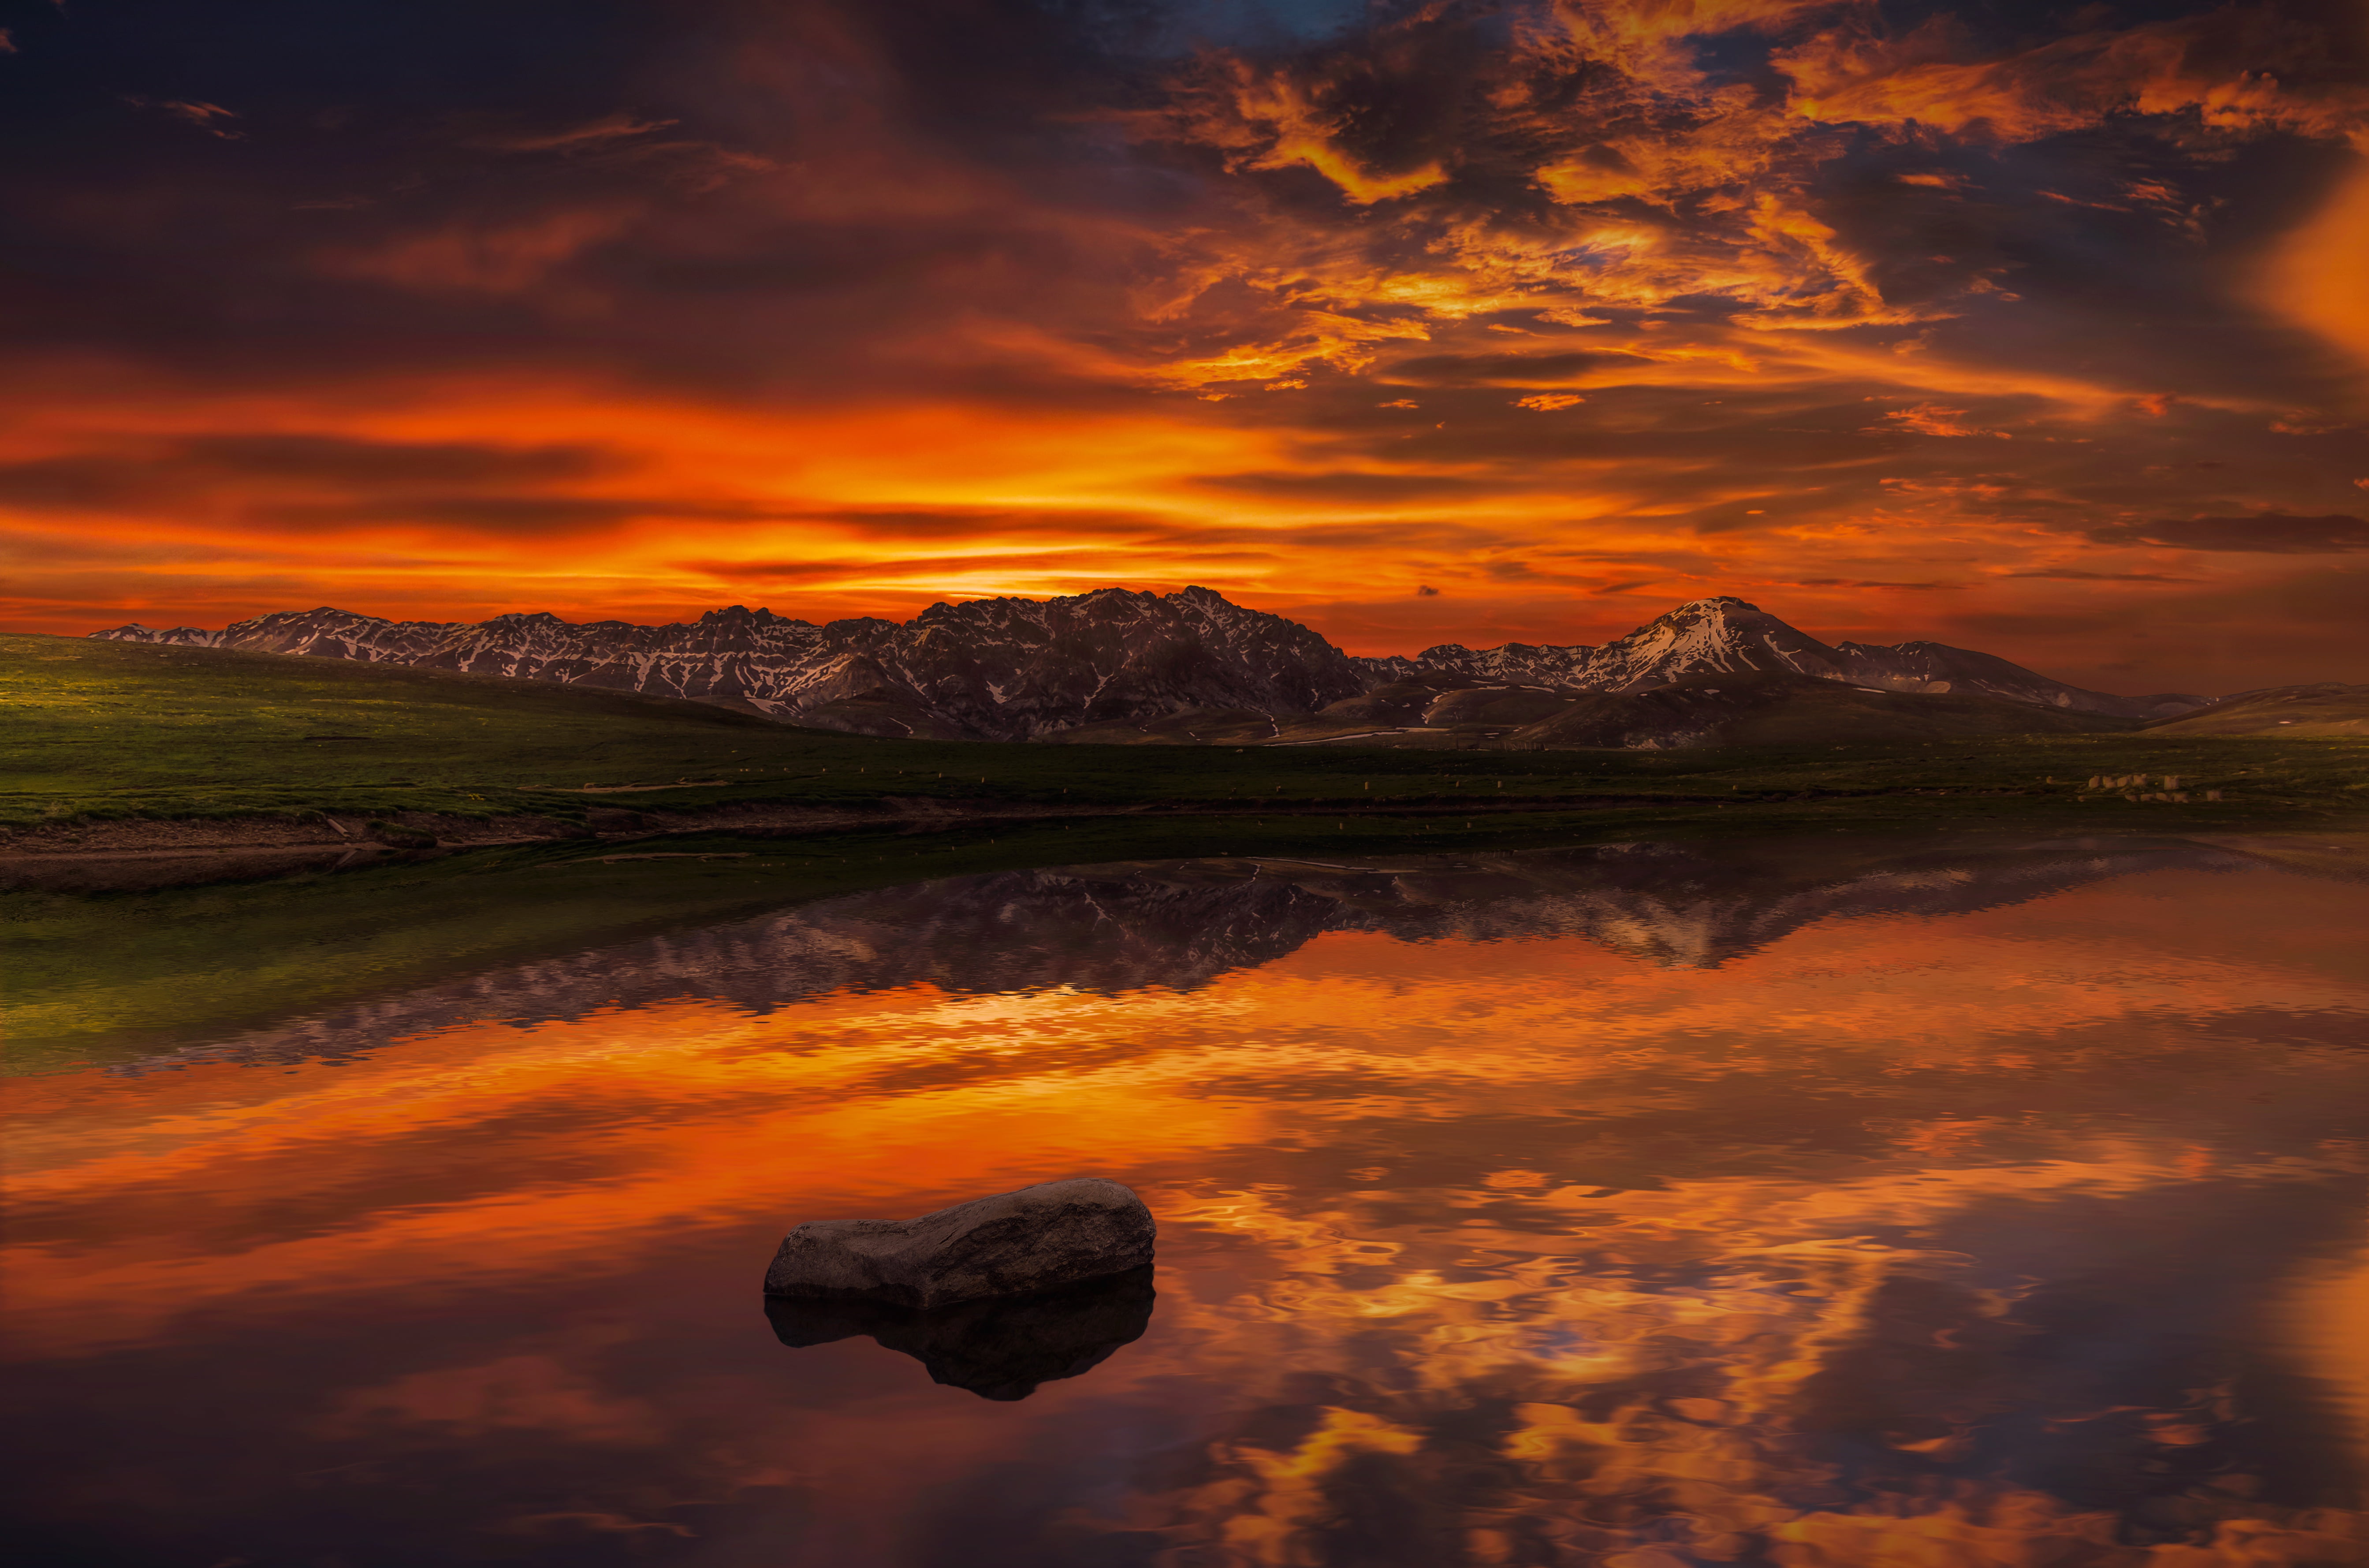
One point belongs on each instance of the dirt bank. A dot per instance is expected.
(414, 829)
(316, 831)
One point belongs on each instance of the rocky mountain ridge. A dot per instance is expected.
(1016, 669)
(1728, 637)
(991, 669)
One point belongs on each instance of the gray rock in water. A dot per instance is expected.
(1015, 1243)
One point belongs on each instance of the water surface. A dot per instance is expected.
(1828, 1203)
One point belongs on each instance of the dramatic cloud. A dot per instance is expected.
(209, 118)
(1558, 308)
(1932, 419)
(2064, 573)
(2267, 533)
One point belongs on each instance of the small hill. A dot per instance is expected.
(1789, 710)
(2328, 708)
(207, 729)
(1747, 708)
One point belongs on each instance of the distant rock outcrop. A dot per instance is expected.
(1016, 1243)
(1022, 670)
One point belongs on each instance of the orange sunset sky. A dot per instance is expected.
(2038, 329)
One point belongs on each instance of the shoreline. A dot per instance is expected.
(321, 829)
(129, 836)
(122, 855)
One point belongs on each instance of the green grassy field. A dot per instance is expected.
(97, 730)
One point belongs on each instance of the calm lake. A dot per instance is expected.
(1825, 1203)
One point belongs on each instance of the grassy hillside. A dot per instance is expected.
(1795, 711)
(1450, 713)
(2291, 711)
(100, 729)
(122, 728)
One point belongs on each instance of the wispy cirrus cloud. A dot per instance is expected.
(2267, 533)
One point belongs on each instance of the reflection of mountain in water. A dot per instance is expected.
(1000, 1349)
(1183, 925)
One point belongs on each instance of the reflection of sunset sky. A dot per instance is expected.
(2037, 330)
(1627, 1242)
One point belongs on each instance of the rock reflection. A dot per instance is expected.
(1000, 1349)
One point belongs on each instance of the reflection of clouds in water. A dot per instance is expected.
(518, 1392)
(2323, 1318)
(1929, 1238)
(1729, 1369)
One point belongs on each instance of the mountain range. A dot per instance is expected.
(1193, 665)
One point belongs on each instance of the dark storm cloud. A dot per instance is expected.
(452, 188)
(342, 460)
(2270, 533)
(147, 473)
(1867, 582)
(968, 522)
(2063, 575)
(76, 484)
(500, 515)
(922, 568)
